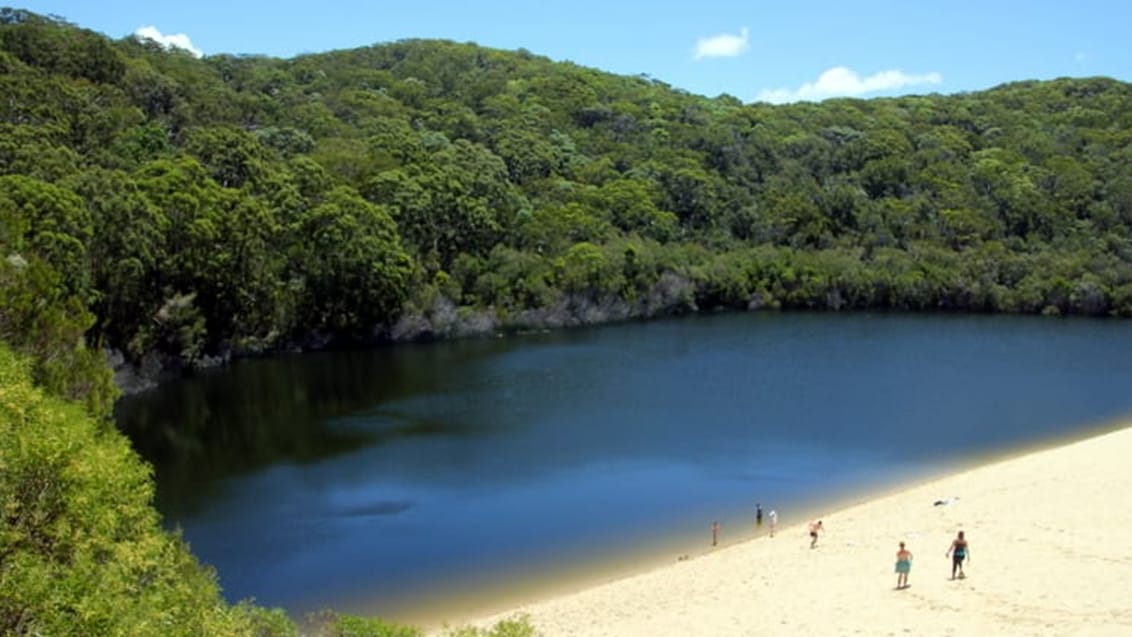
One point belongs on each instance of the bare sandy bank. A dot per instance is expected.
(1051, 554)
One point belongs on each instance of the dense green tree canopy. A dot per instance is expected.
(197, 208)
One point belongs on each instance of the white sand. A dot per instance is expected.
(1050, 537)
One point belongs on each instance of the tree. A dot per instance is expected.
(458, 200)
(36, 151)
(233, 158)
(51, 222)
(354, 269)
(631, 205)
(39, 319)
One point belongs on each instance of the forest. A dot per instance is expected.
(160, 213)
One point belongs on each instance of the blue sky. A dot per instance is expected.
(771, 51)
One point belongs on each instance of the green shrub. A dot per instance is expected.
(81, 549)
(353, 626)
(518, 626)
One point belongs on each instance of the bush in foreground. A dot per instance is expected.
(330, 624)
(81, 548)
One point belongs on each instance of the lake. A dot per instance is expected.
(379, 480)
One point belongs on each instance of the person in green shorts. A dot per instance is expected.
(903, 566)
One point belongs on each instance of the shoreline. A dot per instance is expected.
(1029, 512)
(469, 599)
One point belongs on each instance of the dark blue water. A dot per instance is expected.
(367, 480)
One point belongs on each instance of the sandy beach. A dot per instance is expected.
(1050, 536)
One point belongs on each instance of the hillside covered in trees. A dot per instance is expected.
(187, 209)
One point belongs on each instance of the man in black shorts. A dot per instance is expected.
(958, 552)
(815, 527)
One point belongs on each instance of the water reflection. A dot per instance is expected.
(349, 477)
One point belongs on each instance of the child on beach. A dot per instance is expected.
(903, 566)
(772, 517)
(715, 533)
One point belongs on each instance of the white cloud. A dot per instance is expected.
(722, 46)
(1080, 56)
(840, 81)
(175, 40)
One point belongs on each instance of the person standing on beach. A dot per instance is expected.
(715, 533)
(903, 566)
(958, 552)
(758, 516)
(772, 517)
(815, 528)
